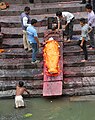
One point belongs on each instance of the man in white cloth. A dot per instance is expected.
(20, 89)
(69, 22)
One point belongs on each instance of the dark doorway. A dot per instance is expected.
(31, 1)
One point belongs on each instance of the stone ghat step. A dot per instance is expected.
(82, 98)
(17, 32)
(38, 84)
(18, 53)
(16, 1)
(78, 52)
(69, 74)
(29, 84)
(21, 53)
(35, 1)
(44, 8)
(15, 56)
(52, 1)
(38, 92)
(75, 60)
(21, 74)
(79, 70)
(79, 91)
(25, 63)
(37, 74)
(17, 42)
(14, 42)
(74, 46)
(19, 63)
(79, 82)
(14, 21)
(78, 64)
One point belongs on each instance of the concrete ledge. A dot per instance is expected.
(82, 98)
(38, 9)
(51, 1)
(14, 21)
(35, 1)
(68, 83)
(38, 92)
(17, 32)
(79, 82)
(29, 84)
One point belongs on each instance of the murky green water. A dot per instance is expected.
(48, 109)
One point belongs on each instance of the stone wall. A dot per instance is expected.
(35, 1)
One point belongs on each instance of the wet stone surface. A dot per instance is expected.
(15, 63)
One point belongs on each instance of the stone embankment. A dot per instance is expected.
(15, 63)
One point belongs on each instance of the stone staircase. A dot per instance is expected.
(15, 63)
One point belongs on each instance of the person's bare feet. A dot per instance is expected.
(91, 48)
(83, 60)
(81, 50)
(68, 40)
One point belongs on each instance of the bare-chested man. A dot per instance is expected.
(20, 89)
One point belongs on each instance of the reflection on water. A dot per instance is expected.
(48, 109)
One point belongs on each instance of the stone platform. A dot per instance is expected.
(15, 63)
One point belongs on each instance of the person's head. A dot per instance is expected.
(27, 10)
(59, 14)
(82, 21)
(33, 22)
(88, 7)
(21, 83)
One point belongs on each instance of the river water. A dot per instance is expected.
(48, 109)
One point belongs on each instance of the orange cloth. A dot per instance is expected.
(3, 5)
(51, 56)
(1, 50)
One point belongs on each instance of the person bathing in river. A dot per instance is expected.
(20, 89)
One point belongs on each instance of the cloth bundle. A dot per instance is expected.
(51, 56)
(3, 5)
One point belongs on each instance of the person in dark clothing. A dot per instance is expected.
(85, 29)
(91, 22)
(93, 2)
(69, 23)
(0, 28)
(84, 2)
(1, 36)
